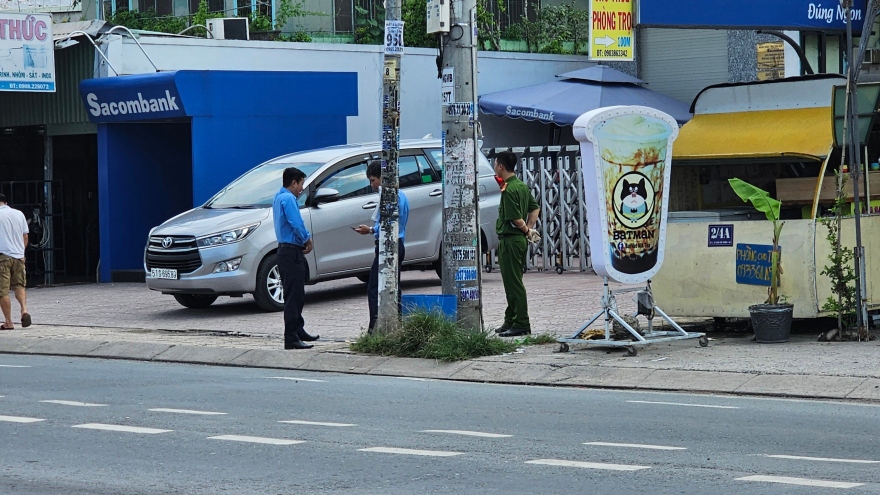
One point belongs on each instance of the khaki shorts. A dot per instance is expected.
(12, 274)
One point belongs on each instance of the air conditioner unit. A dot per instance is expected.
(872, 56)
(229, 28)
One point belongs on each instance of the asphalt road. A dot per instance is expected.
(83, 426)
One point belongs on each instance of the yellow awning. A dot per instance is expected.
(789, 134)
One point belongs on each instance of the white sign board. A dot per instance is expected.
(20, 6)
(447, 86)
(27, 55)
(626, 156)
(394, 37)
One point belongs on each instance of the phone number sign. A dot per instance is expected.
(27, 54)
(611, 30)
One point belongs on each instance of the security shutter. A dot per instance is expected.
(681, 62)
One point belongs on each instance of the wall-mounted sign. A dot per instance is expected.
(611, 30)
(122, 102)
(753, 264)
(626, 154)
(27, 54)
(721, 235)
(25, 6)
(750, 14)
(771, 61)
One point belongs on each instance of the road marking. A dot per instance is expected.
(392, 450)
(269, 441)
(297, 379)
(635, 446)
(469, 433)
(128, 429)
(73, 403)
(415, 379)
(314, 423)
(801, 481)
(587, 465)
(19, 419)
(13, 366)
(186, 411)
(680, 404)
(825, 459)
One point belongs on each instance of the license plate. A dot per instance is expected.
(163, 273)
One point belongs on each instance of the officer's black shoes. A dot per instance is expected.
(305, 337)
(504, 327)
(515, 332)
(297, 344)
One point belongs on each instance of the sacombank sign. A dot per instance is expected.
(144, 103)
(133, 106)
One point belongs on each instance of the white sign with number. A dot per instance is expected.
(394, 37)
(447, 86)
(27, 54)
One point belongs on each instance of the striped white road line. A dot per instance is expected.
(73, 403)
(588, 465)
(635, 446)
(297, 379)
(19, 419)
(269, 441)
(823, 459)
(127, 429)
(800, 481)
(392, 450)
(13, 366)
(186, 411)
(414, 379)
(469, 433)
(314, 423)
(680, 404)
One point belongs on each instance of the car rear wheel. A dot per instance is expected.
(195, 301)
(269, 294)
(363, 277)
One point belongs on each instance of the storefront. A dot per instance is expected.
(168, 141)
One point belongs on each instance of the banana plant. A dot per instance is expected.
(762, 202)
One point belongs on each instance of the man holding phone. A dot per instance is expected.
(374, 174)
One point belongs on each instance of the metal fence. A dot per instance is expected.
(554, 175)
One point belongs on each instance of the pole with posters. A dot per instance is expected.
(461, 235)
(626, 155)
(389, 283)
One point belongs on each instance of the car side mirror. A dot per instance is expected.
(326, 195)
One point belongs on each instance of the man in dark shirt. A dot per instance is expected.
(517, 215)
(294, 242)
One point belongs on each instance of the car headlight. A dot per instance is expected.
(226, 237)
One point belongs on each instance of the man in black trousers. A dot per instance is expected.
(294, 242)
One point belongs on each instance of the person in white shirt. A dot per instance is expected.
(13, 241)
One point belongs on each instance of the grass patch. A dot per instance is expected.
(432, 336)
(541, 339)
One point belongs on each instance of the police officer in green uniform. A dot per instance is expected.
(517, 215)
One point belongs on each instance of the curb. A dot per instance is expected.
(482, 371)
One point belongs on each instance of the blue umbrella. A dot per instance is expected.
(561, 102)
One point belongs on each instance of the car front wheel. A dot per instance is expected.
(269, 294)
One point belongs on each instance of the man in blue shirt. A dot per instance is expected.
(294, 242)
(374, 174)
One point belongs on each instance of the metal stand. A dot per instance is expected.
(646, 307)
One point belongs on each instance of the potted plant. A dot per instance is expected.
(772, 319)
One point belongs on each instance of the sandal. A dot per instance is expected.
(4, 327)
(26, 320)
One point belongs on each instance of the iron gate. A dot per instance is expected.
(42, 202)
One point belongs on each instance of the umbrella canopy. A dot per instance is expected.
(561, 102)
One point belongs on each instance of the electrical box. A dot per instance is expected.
(229, 28)
(438, 16)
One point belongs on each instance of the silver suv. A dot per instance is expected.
(226, 247)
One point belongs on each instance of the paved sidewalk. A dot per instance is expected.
(126, 321)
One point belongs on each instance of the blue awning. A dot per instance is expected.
(561, 102)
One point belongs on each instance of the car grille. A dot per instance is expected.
(182, 255)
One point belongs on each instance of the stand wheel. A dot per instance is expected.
(563, 347)
(704, 341)
(632, 351)
(559, 270)
(488, 268)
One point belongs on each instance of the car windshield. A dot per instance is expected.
(257, 188)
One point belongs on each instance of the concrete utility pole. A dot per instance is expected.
(389, 283)
(461, 234)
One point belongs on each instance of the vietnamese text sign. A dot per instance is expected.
(771, 61)
(721, 235)
(394, 37)
(753, 264)
(611, 30)
(750, 14)
(27, 54)
(626, 153)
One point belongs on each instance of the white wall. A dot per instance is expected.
(420, 88)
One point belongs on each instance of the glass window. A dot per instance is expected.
(351, 181)
(258, 187)
(483, 165)
(428, 172)
(409, 171)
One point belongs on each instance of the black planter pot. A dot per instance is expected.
(771, 322)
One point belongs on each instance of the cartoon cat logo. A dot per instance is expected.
(634, 200)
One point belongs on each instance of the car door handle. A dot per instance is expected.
(435, 193)
(369, 206)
